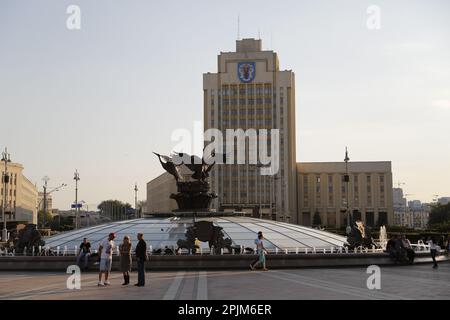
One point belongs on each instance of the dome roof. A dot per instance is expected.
(161, 232)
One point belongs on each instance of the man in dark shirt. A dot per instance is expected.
(84, 252)
(141, 256)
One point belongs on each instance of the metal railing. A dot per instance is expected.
(73, 251)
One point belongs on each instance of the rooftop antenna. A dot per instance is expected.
(239, 28)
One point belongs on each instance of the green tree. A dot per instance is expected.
(317, 220)
(48, 219)
(439, 215)
(115, 209)
(61, 223)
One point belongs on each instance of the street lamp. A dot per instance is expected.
(87, 213)
(46, 179)
(76, 177)
(6, 157)
(347, 180)
(135, 199)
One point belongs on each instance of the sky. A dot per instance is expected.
(100, 99)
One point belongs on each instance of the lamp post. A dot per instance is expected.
(406, 209)
(45, 179)
(76, 177)
(87, 213)
(6, 157)
(135, 199)
(44, 199)
(347, 180)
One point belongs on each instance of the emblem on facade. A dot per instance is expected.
(246, 71)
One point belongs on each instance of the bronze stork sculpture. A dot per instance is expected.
(192, 195)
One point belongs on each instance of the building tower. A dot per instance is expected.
(250, 92)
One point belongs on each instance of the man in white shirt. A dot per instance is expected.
(105, 252)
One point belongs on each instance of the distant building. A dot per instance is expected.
(415, 215)
(159, 190)
(21, 197)
(444, 201)
(321, 189)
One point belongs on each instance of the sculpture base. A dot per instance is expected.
(193, 196)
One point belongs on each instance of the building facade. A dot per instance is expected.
(323, 191)
(21, 197)
(410, 214)
(249, 91)
(160, 189)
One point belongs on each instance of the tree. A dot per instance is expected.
(48, 219)
(62, 223)
(317, 220)
(115, 209)
(440, 214)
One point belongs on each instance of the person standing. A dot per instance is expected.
(447, 245)
(141, 257)
(84, 252)
(433, 251)
(125, 259)
(105, 252)
(261, 253)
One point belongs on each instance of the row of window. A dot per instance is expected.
(232, 90)
(12, 178)
(10, 192)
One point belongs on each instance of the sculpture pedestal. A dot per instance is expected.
(193, 196)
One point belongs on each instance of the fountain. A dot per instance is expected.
(383, 237)
(359, 235)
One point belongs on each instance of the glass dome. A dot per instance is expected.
(161, 232)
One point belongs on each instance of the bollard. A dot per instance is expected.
(286, 251)
(32, 251)
(14, 252)
(276, 250)
(355, 250)
(373, 248)
(314, 249)
(296, 250)
(151, 249)
(232, 251)
(57, 250)
(25, 251)
(324, 250)
(201, 251)
(306, 250)
(65, 250)
(40, 248)
(332, 249)
(340, 250)
(221, 251)
(211, 250)
(346, 249)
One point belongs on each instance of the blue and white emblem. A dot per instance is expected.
(246, 71)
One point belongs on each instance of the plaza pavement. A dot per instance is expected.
(397, 282)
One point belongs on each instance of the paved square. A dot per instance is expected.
(397, 282)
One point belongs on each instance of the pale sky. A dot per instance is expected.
(102, 98)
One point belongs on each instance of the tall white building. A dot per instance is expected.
(249, 91)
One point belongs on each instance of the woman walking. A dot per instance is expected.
(125, 259)
(433, 251)
(261, 253)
